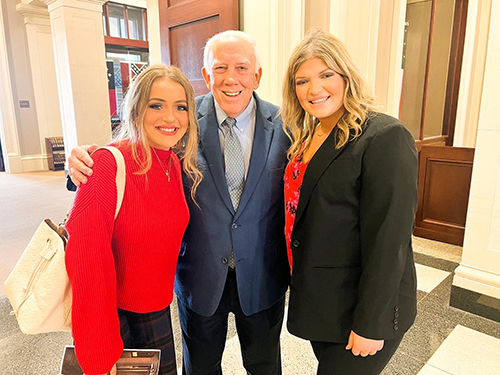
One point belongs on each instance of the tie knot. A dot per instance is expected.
(229, 122)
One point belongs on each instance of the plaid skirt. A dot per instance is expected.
(150, 331)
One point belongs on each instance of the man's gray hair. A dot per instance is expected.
(228, 34)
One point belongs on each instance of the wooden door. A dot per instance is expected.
(185, 26)
(443, 193)
(432, 62)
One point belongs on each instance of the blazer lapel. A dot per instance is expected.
(209, 138)
(325, 155)
(263, 136)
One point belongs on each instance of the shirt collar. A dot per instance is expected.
(241, 119)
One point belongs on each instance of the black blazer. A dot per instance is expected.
(353, 265)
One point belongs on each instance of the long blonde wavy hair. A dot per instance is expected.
(132, 128)
(358, 100)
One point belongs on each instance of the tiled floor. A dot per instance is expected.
(465, 351)
(443, 340)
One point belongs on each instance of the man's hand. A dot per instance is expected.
(80, 164)
(113, 370)
(363, 346)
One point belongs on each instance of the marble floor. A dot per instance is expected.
(443, 340)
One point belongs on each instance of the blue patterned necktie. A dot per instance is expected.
(235, 168)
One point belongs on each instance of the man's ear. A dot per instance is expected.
(206, 77)
(258, 76)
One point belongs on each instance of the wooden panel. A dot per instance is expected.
(187, 41)
(444, 184)
(186, 25)
(126, 42)
(448, 179)
(173, 3)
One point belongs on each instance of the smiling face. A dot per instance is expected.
(320, 91)
(232, 75)
(166, 119)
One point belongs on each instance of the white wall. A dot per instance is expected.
(479, 270)
(8, 121)
(21, 79)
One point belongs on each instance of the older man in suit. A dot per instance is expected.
(233, 257)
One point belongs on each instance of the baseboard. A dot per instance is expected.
(35, 163)
(15, 164)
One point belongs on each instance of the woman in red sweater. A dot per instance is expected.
(122, 271)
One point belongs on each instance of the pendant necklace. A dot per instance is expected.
(318, 130)
(166, 171)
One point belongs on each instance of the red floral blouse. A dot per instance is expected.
(294, 174)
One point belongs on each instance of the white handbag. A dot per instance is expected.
(38, 287)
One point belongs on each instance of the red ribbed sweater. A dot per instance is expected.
(128, 264)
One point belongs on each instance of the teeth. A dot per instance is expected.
(168, 130)
(231, 93)
(320, 100)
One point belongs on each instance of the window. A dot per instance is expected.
(126, 39)
(136, 28)
(117, 24)
(125, 25)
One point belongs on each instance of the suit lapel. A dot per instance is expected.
(209, 137)
(260, 150)
(325, 155)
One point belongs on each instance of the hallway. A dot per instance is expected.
(444, 340)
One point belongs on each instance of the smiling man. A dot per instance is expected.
(234, 255)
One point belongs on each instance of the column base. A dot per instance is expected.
(476, 291)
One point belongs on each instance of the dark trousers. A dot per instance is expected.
(334, 359)
(204, 338)
(150, 331)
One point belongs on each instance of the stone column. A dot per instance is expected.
(8, 124)
(37, 21)
(80, 60)
(476, 285)
(277, 27)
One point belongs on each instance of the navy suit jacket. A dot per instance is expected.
(254, 231)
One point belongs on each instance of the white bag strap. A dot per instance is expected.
(120, 180)
(120, 175)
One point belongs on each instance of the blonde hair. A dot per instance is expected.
(358, 100)
(228, 35)
(132, 127)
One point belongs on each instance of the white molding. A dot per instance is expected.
(477, 280)
(136, 3)
(8, 121)
(32, 163)
(15, 163)
(89, 5)
(338, 19)
(77, 35)
(479, 269)
(41, 57)
(154, 39)
(271, 69)
(372, 42)
(472, 74)
(396, 58)
(26, 9)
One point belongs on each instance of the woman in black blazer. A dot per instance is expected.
(350, 196)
